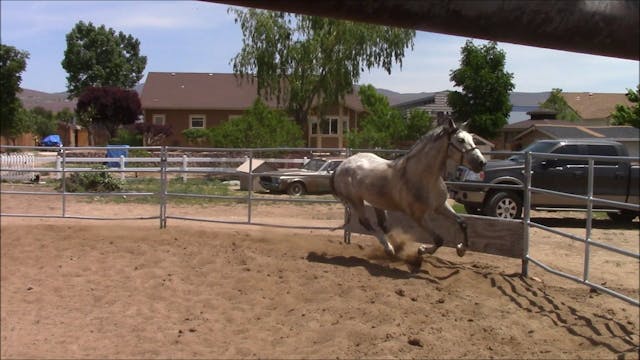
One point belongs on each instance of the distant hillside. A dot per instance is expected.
(52, 101)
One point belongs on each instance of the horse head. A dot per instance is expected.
(461, 146)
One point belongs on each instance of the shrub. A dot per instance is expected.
(258, 127)
(91, 182)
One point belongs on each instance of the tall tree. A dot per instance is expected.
(12, 63)
(44, 123)
(109, 107)
(628, 115)
(383, 126)
(21, 123)
(304, 61)
(556, 102)
(484, 99)
(97, 56)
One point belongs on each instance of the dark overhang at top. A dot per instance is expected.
(608, 28)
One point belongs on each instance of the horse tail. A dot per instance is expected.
(332, 186)
(332, 183)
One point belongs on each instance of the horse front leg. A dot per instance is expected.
(447, 212)
(438, 241)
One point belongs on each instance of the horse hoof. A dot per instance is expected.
(460, 250)
(390, 252)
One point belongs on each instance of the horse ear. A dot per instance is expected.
(465, 125)
(451, 124)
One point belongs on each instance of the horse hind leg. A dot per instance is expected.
(382, 239)
(381, 217)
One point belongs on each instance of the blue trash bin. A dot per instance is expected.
(115, 151)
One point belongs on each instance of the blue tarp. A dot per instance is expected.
(115, 151)
(51, 140)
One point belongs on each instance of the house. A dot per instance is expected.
(205, 100)
(595, 109)
(522, 103)
(435, 104)
(627, 135)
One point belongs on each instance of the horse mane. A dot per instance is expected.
(426, 139)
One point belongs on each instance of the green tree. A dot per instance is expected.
(383, 126)
(97, 56)
(305, 61)
(21, 123)
(65, 116)
(628, 115)
(484, 100)
(557, 103)
(419, 122)
(258, 127)
(12, 63)
(43, 122)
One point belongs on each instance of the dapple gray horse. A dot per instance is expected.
(411, 184)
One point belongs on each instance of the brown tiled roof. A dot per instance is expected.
(595, 105)
(164, 90)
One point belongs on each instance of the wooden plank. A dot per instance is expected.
(486, 234)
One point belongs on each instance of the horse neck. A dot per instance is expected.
(426, 160)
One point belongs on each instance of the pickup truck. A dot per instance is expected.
(613, 180)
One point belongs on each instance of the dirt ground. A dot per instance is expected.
(76, 288)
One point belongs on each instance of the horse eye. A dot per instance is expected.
(460, 140)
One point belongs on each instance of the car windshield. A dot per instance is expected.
(538, 147)
(314, 164)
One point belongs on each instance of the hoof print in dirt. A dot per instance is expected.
(415, 342)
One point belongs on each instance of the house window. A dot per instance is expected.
(197, 121)
(158, 119)
(329, 125)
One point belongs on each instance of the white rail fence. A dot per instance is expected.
(18, 166)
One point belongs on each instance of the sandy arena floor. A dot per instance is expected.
(127, 289)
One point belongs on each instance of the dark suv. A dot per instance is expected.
(613, 180)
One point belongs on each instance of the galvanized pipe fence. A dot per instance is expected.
(166, 160)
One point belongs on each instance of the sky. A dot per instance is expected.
(194, 36)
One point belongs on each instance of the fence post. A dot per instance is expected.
(163, 187)
(64, 181)
(527, 214)
(122, 167)
(185, 162)
(58, 167)
(587, 239)
(250, 187)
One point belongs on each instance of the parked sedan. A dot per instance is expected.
(313, 177)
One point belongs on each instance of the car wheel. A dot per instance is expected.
(622, 217)
(296, 189)
(473, 210)
(504, 204)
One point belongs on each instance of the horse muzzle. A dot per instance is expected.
(476, 161)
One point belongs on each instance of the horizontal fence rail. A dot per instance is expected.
(187, 162)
